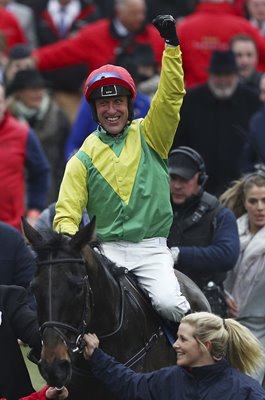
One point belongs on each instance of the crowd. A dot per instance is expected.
(156, 126)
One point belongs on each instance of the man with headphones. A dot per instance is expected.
(203, 237)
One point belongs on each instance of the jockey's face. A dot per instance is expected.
(112, 113)
(181, 189)
(191, 353)
(255, 207)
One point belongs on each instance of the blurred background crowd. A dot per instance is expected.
(48, 47)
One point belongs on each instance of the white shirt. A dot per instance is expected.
(70, 12)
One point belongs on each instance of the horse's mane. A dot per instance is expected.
(114, 270)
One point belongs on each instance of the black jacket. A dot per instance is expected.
(217, 129)
(208, 247)
(208, 382)
(17, 321)
(17, 265)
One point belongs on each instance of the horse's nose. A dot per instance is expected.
(58, 373)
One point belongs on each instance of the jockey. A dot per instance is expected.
(120, 175)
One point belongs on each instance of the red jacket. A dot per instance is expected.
(21, 150)
(93, 45)
(210, 27)
(11, 28)
(13, 141)
(240, 7)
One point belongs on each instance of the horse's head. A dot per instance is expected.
(64, 296)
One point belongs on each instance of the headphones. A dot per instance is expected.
(197, 158)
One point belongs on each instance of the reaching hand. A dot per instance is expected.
(55, 393)
(166, 25)
(92, 343)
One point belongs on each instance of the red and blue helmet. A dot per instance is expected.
(109, 80)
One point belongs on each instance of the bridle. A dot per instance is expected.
(78, 344)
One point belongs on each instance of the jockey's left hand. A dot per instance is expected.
(92, 343)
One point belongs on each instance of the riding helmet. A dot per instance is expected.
(108, 81)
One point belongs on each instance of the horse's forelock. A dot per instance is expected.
(52, 242)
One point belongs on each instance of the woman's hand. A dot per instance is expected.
(55, 393)
(92, 343)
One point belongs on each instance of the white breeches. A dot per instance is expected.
(152, 263)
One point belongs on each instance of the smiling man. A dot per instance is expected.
(120, 175)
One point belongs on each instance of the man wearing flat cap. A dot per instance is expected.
(203, 237)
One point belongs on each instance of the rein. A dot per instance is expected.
(108, 335)
(145, 349)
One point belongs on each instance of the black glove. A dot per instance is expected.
(166, 25)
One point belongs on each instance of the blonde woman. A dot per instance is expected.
(245, 284)
(213, 357)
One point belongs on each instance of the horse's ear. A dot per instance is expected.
(33, 236)
(85, 236)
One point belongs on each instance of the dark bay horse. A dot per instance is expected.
(79, 290)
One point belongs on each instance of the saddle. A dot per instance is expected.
(140, 296)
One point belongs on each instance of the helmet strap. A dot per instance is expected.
(130, 110)
(94, 110)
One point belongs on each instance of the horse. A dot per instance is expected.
(77, 290)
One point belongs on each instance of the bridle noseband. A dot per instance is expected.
(78, 344)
